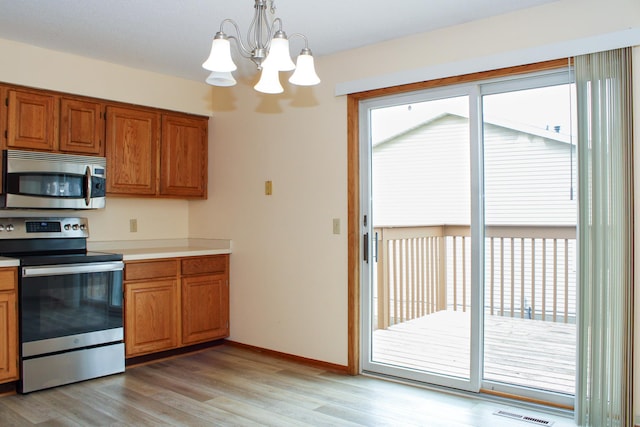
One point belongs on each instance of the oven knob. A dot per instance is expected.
(67, 227)
(75, 226)
(83, 226)
(9, 227)
(1, 227)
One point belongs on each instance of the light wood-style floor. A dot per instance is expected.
(229, 385)
(530, 353)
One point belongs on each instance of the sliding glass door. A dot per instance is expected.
(530, 212)
(469, 206)
(420, 187)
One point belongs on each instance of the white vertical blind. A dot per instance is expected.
(604, 396)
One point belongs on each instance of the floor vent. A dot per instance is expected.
(533, 420)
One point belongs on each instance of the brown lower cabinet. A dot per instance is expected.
(171, 303)
(8, 325)
(205, 298)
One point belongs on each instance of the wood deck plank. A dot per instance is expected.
(518, 351)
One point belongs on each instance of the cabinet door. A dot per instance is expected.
(183, 170)
(205, 308)
(151, 316)
(81, 127)
(32, 121)
(132, 151)
(4, 97)
(8, 337)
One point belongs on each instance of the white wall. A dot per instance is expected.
(288, 271)
(46, 69)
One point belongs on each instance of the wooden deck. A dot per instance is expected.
(517, 351)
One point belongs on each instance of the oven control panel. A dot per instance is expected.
(21, 228)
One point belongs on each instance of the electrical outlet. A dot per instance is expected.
(133, 225)
(336, 225)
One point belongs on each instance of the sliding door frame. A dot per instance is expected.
(468, 92)
(355, 241)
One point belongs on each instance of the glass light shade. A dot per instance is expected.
(279, 56)
(220, 57)
(269, 81)
(217, 78)
(305, 74)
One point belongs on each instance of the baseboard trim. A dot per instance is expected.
(9, 388)
(333, 367)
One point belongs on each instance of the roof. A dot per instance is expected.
(507, 124)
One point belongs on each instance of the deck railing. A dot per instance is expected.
(529, 272)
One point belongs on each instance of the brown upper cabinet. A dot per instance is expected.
(81, 127)
(150, 152)
(47, 122)
(132, 146)
(138, 164)
(32, 121)
(183, 156)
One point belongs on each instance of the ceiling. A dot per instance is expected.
(174, 36)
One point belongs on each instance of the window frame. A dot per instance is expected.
(354, 197)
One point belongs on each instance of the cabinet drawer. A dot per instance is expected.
(8, 279)
(206, 264)
(150, 269)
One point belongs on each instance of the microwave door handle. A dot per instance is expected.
(87, 186)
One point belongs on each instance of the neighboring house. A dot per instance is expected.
(421, 176)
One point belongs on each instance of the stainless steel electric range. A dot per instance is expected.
(70, 302)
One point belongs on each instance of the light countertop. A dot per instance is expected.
(151, 249)
(9, 262)
(134, 250)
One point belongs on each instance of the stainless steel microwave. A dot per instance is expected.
(39, 180)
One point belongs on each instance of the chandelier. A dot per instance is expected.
(267, 46)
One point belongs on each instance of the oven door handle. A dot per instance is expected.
(63, 269)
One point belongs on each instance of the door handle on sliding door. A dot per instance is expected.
(365, 247)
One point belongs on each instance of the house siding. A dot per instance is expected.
(422, 177)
